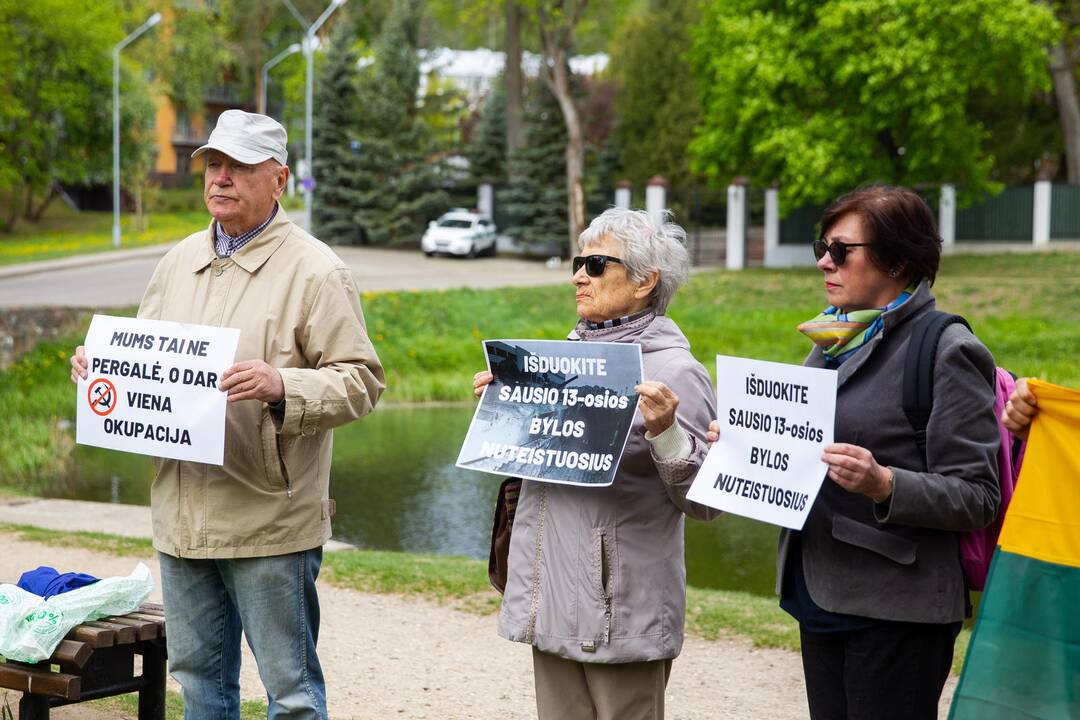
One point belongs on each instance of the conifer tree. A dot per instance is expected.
(487, 146)
(536, 195)
(336, 167)
(602, 164)
(396, 183)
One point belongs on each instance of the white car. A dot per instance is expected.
(460, 232)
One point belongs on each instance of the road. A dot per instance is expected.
(118, 279)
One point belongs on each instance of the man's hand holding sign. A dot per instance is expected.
(241, 501)
(249, 380)
(253, 380)
(157, 388)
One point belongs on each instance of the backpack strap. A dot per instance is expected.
(1017, 443)
(918, 390)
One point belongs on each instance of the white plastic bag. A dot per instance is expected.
(31, 627)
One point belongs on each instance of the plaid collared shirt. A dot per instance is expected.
(226, 246)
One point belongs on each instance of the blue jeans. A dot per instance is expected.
(273, 601)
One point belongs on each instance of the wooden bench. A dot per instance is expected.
(96, 660)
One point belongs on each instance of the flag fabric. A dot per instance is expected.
(1023, 660)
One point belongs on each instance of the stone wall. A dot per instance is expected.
(21, 329)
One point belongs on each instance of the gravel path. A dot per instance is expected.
(391, 657)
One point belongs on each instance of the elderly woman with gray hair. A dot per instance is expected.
(596, 581)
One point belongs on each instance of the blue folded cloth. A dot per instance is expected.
(46, 582)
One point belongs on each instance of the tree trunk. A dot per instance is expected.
(1061, 69)
(555, 71)
(515, 137)
(559, 77)
(12, 215)
(28, 202)
(575, 190)
(35, 213)
(260, 106)
(140, 219)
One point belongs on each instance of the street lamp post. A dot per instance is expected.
(150, 22)
(294, 48)
(309, 84)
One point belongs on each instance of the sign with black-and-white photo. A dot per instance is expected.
(557, 410)
(775, 421)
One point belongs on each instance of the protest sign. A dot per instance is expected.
(151, 388)
(775, 420)
(557, 411)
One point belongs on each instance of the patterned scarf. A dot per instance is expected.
(838, 333)
(617, 321)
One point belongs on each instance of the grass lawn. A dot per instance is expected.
(128, 705)
(65, 233)
(1026, 308)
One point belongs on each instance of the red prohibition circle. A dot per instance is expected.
(102, 393)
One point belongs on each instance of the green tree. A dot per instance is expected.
(487, 144)
(656, 99)
(603, 175)
(55, 99)
(597, 100)
(398, 184)
(56, 95)
(824, 96)
(1025, 139)
(188, 53)
(1063, 58)
(366, 21)
(537, 172)
(139, 150)
(336, 166)
(557, 22)
(444, 109)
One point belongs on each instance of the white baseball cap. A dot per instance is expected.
(247, 137)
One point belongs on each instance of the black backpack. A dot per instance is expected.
(976, 546)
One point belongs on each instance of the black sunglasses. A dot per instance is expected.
(838, 250)
(594, 264)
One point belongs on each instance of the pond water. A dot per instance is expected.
(396, 488)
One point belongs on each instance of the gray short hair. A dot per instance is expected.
(646, 248)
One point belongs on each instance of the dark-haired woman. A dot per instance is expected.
(874, 577)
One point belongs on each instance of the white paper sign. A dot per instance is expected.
(775, 420)
(151, 388)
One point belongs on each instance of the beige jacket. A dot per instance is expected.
(297, 308)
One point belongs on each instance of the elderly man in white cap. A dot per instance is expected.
(240, 545)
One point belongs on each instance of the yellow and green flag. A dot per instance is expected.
(1024, 657)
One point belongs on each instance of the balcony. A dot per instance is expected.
(224, 94)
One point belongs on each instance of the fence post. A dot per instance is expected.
(736, 224)
(622, 194)
(772, 223)
(656, 198)
(1040, 221)
(485, 200)
(947, 216)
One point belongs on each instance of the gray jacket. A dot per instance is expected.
(900, 560)
(597, 574)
